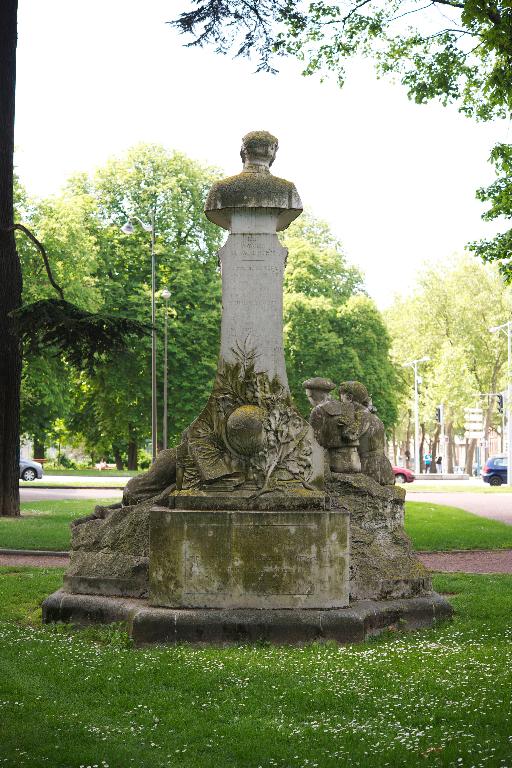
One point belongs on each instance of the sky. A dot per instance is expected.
(396, 181)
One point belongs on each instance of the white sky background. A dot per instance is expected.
(396, 181)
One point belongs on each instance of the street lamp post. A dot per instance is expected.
(129, 229)
(165, 294)
(506, 328)
(414, 365)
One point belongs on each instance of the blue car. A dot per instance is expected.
(495, 470)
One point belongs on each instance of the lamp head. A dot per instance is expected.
(128, 228)
(165, 294)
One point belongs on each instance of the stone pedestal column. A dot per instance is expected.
(249, 441)
(252, 263)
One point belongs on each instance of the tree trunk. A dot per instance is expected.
(422, 443)
(433, 450)
(132, 454)
(10, 273)
(470, 454)
(407, 451)
(118, 459)
(39, 448)
(449, 433)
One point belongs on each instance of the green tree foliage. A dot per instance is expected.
(499, 195)
(170, 189)
(448, 319)
(330, 327)
(453, 51)
(63, 223)
(110, 272)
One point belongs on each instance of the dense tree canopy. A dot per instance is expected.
(331, 328)
(109, 271)
(447, 318)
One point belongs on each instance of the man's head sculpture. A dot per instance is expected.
(254, 191)
(258, 149)
(355, 391)
(317, 389)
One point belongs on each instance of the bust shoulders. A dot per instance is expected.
(255, 186)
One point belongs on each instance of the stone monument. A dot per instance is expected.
(246, 530)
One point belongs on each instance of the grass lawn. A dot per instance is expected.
(45, 525)
(436, 527)
(439, 697)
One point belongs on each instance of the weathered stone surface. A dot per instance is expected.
(255, 187)
(161, 476)
(110, 556)
(107, 573)
(222, 499)
(233, 559)
(147, 624)
(382, 561)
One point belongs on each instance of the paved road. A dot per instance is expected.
(497, 506)
(81, 479)
(51, 494)
(471, 482)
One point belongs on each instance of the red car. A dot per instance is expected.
(403, 475)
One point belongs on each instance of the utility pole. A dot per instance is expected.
(129, 229)
(442, 438)
(166, 295)
(417, 379)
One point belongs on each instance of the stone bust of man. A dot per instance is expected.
(255, 186)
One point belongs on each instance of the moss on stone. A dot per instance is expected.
(259, 138)
(251, 190)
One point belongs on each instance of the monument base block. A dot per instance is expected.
(249, 559)
(147, 625)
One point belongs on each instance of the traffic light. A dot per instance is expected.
(500, 403)
(438, 414)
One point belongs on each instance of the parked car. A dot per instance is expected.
(494, 471)
(29, 470)
(403, 475)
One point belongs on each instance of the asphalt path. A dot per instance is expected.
(81, 479)
(52, 494)
(496, 506)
